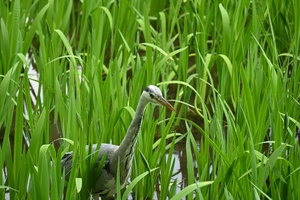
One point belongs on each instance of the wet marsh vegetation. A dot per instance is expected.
(230, 68)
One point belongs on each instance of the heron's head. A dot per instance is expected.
(154, 95)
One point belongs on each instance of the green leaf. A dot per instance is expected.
(189, 189)
(134, 182)
(78, 183)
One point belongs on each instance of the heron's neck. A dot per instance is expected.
(127, 147)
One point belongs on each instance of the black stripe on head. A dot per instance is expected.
(150, 92)
(147, 89)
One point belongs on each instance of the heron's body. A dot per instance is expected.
(106, 182)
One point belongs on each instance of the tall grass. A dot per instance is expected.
(229, 67)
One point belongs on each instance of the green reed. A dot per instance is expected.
(230, 68)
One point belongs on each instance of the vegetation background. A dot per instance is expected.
(231, 68)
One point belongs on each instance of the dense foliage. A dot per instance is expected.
(231, 68)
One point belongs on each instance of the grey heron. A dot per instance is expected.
(106, 182)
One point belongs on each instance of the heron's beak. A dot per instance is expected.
(165, 103)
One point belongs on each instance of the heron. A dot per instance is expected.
(105, 185)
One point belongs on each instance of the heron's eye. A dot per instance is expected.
(151, 95)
